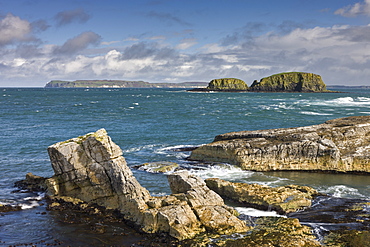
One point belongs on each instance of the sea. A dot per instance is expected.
(150, 125)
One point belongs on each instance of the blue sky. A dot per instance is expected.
(182, 40)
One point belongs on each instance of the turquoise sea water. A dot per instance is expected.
(148, 124)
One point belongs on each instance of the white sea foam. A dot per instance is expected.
(345, 101)
(315, 113)
(257, 213)
(342, 191)
(29, 205)
(224, 171)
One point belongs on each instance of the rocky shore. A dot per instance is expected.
(92, 176)
(338, 145)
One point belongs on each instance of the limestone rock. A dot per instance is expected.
(207, 205)
(227, 84)
(290, 82)
(91, 168)
(339, 145)
(158, 167)
(284, 199)
(276, 231)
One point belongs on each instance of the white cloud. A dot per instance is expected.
(14, 29)
(340, 54)
(186, 43)
(355, 10)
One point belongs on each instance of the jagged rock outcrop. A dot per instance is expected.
(339, 145)
(91, 168)
(290, 82)
(284, 199)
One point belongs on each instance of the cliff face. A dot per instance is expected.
(339, 145)
(227, 84)
(290, 82)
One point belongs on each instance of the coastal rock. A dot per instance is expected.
(32, 183)
(91, 168)
(9, 208)
(275, 231)
(290, 82)
(158, 167)
(338, 145)
(284, 199)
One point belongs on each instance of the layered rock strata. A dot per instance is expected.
(290, 82)
(91, 168)
(284, 199)
(339, 145)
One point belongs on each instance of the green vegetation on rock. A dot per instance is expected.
(290, 82)
(227, 84)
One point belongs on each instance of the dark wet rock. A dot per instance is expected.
(284, 199)
(341, 211)
(32, 183)
(351, 238)
(158, 167)
(9, 208)
(338, 145)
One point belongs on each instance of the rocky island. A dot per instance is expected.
(290, 82)
(338, 145)
(283, 82)
(225, 85)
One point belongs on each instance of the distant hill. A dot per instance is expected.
(120, 84)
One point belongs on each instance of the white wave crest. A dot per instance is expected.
(315, 113)
(343, 191)
(257, 213)
(224, 171)
(345, 101)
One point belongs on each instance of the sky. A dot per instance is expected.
(182, 40)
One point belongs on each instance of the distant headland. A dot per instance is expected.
(120, 84)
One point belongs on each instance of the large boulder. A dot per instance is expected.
(284, 199)
(227, 84)
(91, 168)
(290, 82)
(339, 145)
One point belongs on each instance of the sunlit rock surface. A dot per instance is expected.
(338, 145)
(91, 168)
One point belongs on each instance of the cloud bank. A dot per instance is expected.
(339, 53)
